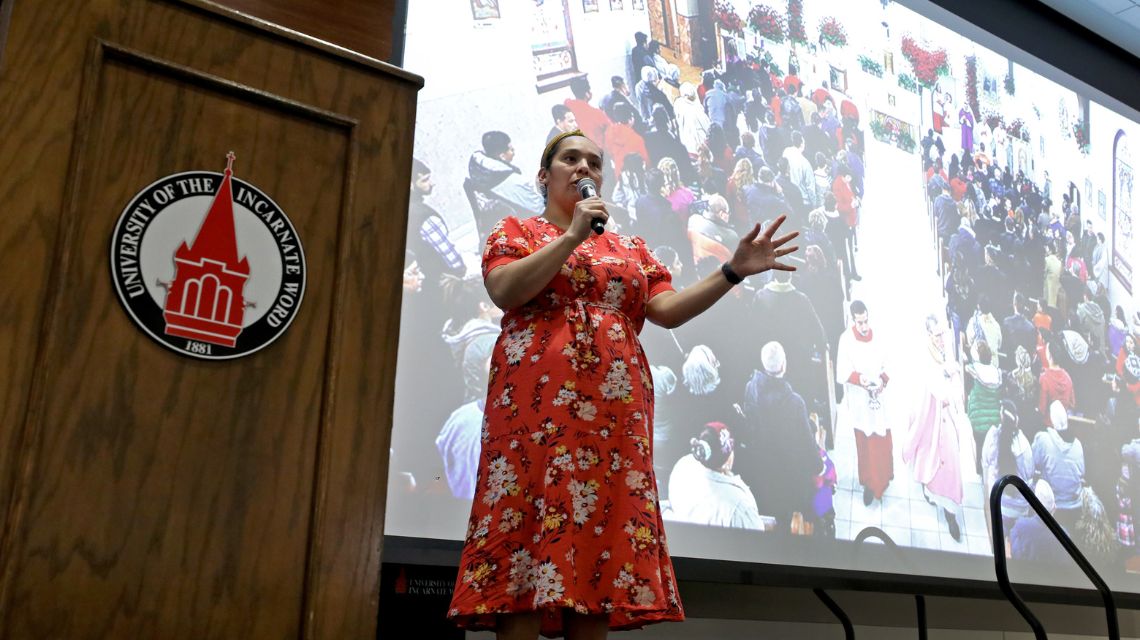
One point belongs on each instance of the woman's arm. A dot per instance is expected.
(756, 253)
(517, 283)
(671, 309)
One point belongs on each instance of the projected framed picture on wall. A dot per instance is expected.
(485, 9)
(616, 5)
(638, 4)
(589, 6)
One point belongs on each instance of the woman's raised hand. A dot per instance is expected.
(759, 252)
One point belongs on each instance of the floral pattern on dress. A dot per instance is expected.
(565, 515)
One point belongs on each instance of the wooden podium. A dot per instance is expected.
(149, 495)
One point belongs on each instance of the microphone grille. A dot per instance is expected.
(587, 185)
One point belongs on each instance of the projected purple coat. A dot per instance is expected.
(966, 120)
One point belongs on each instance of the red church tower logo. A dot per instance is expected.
(205, 301)
(208, 265)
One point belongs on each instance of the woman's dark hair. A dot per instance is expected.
(1008, 430)
(713, 446)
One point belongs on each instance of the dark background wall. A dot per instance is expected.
(375, 28)
(1044, 33)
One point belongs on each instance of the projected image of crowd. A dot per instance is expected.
(954, 318)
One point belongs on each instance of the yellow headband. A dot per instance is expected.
(548, 152)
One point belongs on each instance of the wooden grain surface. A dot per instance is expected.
(148, 495)
(5, 16)
(364, 26)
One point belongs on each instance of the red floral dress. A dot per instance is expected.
(565, 514)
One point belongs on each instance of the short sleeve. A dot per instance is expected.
(660, 280)
(508, 242)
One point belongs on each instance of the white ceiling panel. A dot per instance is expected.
(1113, 6)
(1117, 21)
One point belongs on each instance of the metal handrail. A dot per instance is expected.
(919, 600)
(837, 611)
(1002, 570)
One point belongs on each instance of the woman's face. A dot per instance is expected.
(577, 157)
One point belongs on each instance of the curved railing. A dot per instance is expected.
(919, 600)
(838, 612)
(1002, 570)
(841, 615)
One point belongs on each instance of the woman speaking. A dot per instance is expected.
(565, 534)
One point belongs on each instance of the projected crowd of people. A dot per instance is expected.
(799, 407)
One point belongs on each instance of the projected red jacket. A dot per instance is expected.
(1055, 385)
(957, 189)
(591, 120)
(844, 200)
(622, 140)
(847, 109)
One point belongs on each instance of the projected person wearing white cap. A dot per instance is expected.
(940, 430)
(860, 367)
(1030, 539)
(779, 456)
(1060, 460)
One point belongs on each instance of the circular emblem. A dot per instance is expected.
(208, 265)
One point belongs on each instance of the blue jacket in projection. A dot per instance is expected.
(1062, 465)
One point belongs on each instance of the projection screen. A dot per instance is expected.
(963, 302)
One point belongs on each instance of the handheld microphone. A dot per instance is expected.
(587, 188)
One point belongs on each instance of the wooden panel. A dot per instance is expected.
(363, 26)
(37, 122)
(5, 16)
(162, 476)
(147, 495)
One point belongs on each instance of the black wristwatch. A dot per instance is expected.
(730, 275)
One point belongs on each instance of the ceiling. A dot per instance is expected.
(1117, 21)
